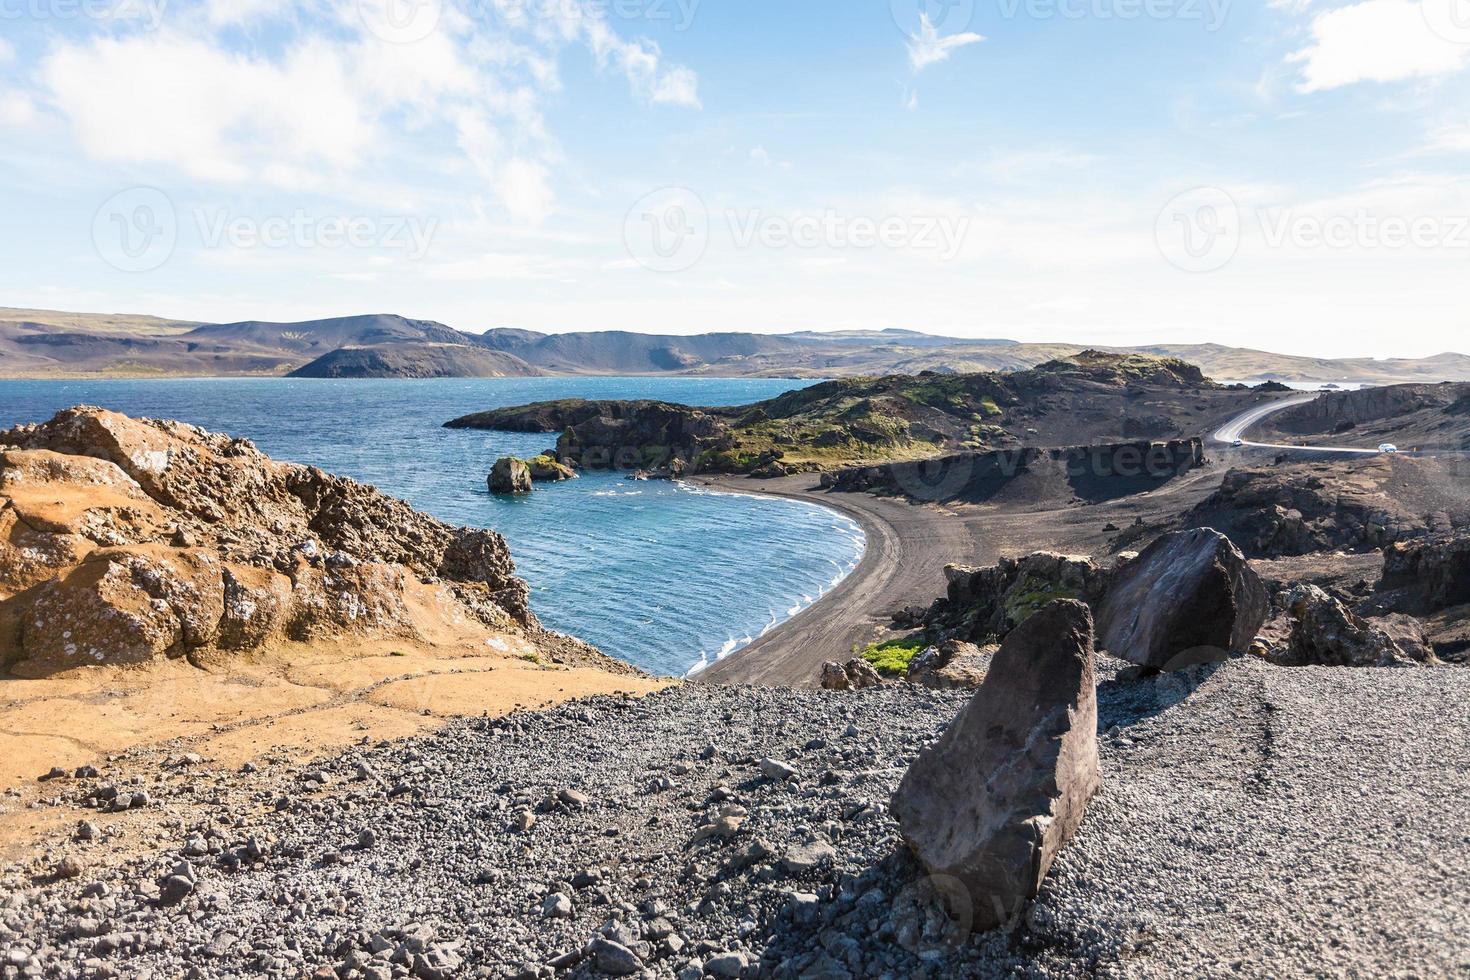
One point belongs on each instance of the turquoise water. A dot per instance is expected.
(665, 576)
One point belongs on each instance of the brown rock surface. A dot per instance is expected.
(855, 675)
(988, 807)
(951, 666)
(126, 541)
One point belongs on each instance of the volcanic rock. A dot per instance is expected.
(991, 803)
(855, 675)
(1187, 590)
(985, 604)
(548, 469)
(510, 476)
(1434, 573)
(950, 666)
(1326, 633)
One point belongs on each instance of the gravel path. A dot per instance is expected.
(1268, 822)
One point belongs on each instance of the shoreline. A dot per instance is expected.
(907, 547)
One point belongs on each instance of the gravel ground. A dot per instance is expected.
(1254, 821)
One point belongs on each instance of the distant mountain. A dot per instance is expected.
(416, 361)
(326, 335)
(37, 343)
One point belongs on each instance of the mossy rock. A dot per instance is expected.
(1027, 596)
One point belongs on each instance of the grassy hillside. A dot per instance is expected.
(1093, 396)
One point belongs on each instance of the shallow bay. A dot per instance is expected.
(665, 576)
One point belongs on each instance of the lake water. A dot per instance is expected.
(666, 576)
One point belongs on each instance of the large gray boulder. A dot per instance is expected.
(510, 476)
(1187, 590)
(988, 806)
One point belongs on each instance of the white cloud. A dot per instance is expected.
(337, 108)
(16, 109)
(1454, 138)
(7, 51)
(928, 48)
(1376, 41)
(524, 190)
(231, 13)
(760, 156)
(237, 119)
(677, 86)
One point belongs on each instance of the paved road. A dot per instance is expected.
(1236, 428)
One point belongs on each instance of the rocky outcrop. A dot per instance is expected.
(510, 476)
(546, 468)
(951, 666)
(987, 808)
(855, 675)
(1089, 472)
(983, 605)
(1325, 633)
(1412, 415)
(1299, 509)
(600, 435)
(123, 541)
(1429, 574)
(1187, 590)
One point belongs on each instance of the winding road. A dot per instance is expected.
(1235, 430)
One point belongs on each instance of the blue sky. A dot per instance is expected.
(1287, 175)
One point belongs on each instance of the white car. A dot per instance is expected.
(1237, 443)
(1388, 448)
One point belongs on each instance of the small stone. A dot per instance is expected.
(724, 828)
(805, 857)
(725, 964)
(367, 840)
(174, 889)
(523, 821)
(615, 959)
(574, 798)
(556, 906)
(68, 868)
(776, 771)
(87, 830)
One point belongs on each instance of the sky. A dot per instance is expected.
(1289, 175)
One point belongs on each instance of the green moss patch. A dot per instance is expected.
(891, 658)
(1027, 597)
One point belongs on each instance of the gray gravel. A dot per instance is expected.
(1268, 822)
